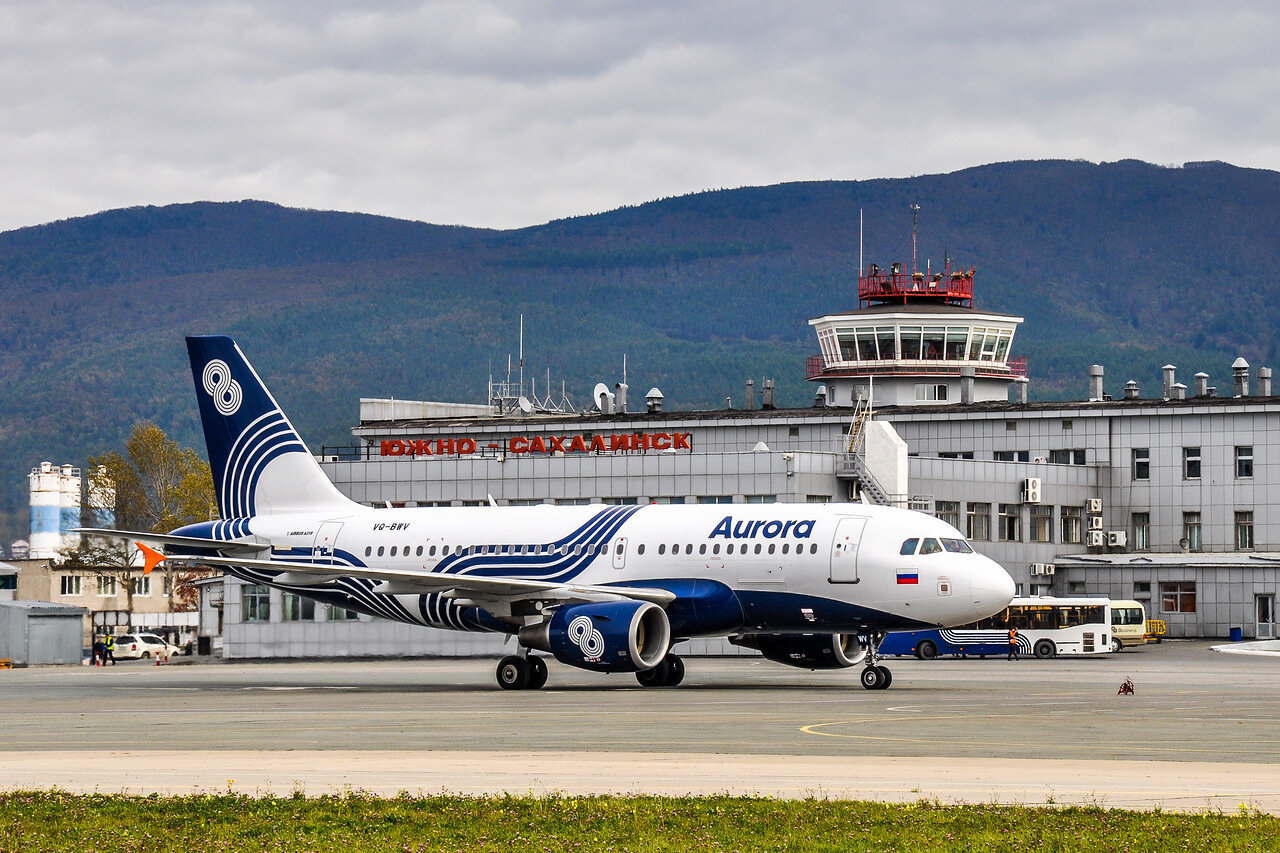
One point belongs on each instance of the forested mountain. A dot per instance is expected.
(1127, 264)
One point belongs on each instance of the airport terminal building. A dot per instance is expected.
(1169, 497)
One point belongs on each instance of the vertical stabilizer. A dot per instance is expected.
(260, 464)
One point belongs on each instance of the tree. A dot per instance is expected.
(155, 486)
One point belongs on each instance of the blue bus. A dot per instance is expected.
(1047, 627)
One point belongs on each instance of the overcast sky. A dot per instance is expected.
(504, 114)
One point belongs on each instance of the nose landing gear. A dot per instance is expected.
(875, 676)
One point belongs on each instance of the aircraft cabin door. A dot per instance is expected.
(844, 550)
(620, 552)
(324, 547)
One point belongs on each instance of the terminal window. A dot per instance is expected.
(1072, 524)
(1178, 597)
(1142, 463)
(1244, 462)
(948, 511)
(256, 601)
(1191, 530)
(1191, 463)
(71, 584)
(1010, 515)
(1041, 523)
(106, 586)
(978, 522)
(1142, 531)
(1244, 530)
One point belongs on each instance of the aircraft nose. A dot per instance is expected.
(993, 589)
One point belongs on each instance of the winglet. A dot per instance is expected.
(150, 557)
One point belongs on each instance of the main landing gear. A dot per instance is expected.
(875, 676)
(522, 673)
(668, 673)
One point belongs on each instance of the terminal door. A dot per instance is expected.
(844, 550)
(1266, 607)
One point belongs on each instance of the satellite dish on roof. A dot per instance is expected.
(524, 405)
(603, 398)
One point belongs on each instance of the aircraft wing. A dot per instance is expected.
(404, 582)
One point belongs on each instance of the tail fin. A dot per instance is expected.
(259, 463)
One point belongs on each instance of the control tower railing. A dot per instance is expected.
(895, 286)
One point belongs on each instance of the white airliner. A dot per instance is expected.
(603, 588)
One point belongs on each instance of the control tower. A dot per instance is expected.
(915, 339)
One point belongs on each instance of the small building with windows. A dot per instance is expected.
(1171, 498)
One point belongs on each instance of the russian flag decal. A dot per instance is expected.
(908, 577)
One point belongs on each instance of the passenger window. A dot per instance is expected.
(393, 550)
(728, 549)
(930, 546)
(786, 547)
(688, 549)
(431, 552)
(380, 550)
(368, 549)
(640, 549)
(771, 547)
(662, 549)
(909, 547)
(757, 547)
(715, 549)
(702, 549)
(813, 549)
(419, 551)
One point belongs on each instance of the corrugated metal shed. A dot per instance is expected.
(33, 633)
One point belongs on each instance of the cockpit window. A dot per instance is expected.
(909, 547)
(930, 546)
(957, 546)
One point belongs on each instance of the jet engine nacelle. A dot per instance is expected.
(807, 651)
(615, 636)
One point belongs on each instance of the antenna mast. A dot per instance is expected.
(915, 209)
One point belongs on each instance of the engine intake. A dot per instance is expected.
(615, 636)
(806, 651)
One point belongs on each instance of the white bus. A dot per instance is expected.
(1128, 624)
(1047, 627)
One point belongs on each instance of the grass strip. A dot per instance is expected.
(33, 822)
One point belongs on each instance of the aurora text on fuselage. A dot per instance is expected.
(750, 529)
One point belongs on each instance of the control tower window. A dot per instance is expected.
(911, 341)
(886, 340)
(848, 345)
(867, 345)
(956, 339)
(934, 342)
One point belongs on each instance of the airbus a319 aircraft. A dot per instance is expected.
(602, 588)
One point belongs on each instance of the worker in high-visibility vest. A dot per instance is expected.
(1013, 643)
(109, 650)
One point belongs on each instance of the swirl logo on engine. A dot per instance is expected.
(583, 635)
(225, 391)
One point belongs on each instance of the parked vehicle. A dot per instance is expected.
(133, 646)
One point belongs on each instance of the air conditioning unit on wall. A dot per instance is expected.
(1097, 539)
(1031, 489)
(1095, 522)
(1093, 506)
(1117, 538)
(1043, 568)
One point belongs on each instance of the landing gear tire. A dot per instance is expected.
(1046, 649)
(537, 673)
(514, 673)
(656, 677)
(927, 650)
(876, 677)
(676, 675)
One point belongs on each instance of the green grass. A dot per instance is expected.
(41, 821)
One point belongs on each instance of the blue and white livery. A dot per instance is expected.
(604, 588)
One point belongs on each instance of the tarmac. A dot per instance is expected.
(1199, 734)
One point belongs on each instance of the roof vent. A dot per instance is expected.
(1240, 373)
(1131, 390)
(653, 400)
